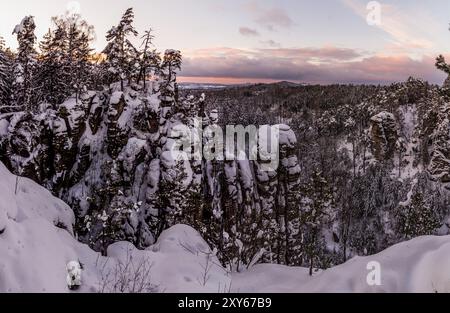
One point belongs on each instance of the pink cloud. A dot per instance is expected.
(310, 65)
(248, 32)
(274, 17)
(271, 43)
(270, 18)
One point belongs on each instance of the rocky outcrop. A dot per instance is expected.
(439, 146)
(384, 135)
(109, 155)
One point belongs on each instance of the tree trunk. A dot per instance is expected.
(17, 185)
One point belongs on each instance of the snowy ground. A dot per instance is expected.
(34, 253)
(420, 265)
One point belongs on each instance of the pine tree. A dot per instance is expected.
(132, 64)
(168, 74)
(120, 52)
(25, 63)
(51, 77)
(83, 68)
(419, 218)
(150, 58)
(78, 55)
(316, 205)
(5, 76)
(442, 65)
(65, 59)
(173, 194)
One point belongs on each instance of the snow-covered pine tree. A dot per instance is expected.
(51, 78)
(120, 52)
(6, 77)
(78, 54)
(418, 218)
(168, 74)
(317, 203)
(25, 64)
(132, 63)
(82, 79)
(173, 193)
(442, 65)
(150, 59)
(65, 59)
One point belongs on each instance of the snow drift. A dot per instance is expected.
(420, 265)
(36, 243)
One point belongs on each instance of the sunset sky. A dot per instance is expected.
(237, 41)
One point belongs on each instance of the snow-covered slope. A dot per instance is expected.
(419, 265)
(33, 251)
(22, 199)
(34, 254)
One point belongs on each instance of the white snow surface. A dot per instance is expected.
(31, 201)
(419, 265)
(116, 97)
(34, 254)
(4, 127)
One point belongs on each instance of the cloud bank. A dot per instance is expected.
(325, 65)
